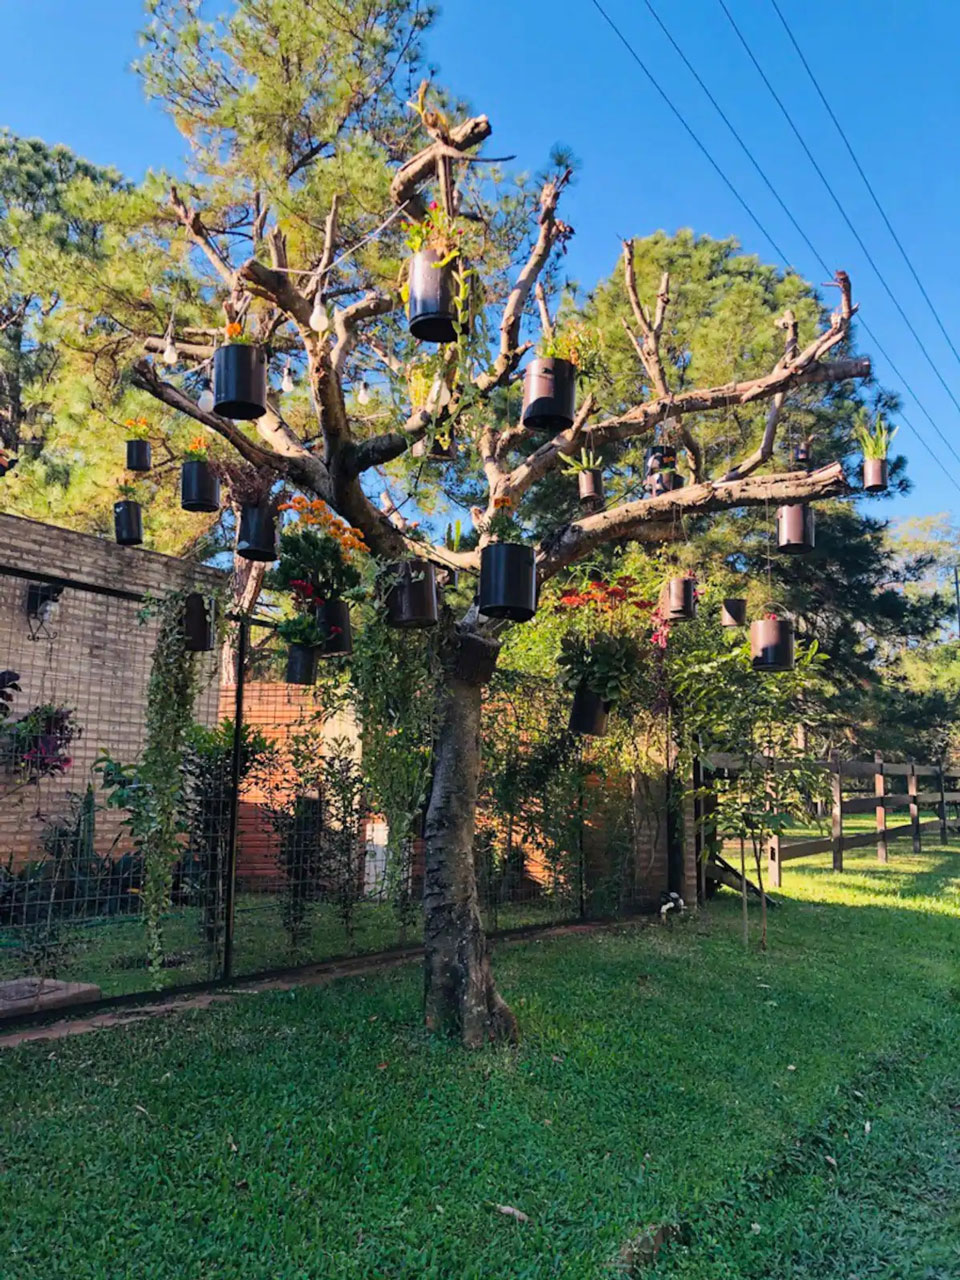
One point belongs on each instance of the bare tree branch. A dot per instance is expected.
(201, 237)
(788, 322)
(410, 176)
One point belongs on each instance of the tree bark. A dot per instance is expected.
(460, 997)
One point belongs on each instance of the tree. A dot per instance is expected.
(301, 147)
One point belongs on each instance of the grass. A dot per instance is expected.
(664, 1077)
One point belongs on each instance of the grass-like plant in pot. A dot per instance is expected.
(874, 442)
(588, 470)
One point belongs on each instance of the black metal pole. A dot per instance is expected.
(243, 642)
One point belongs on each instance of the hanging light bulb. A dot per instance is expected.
(205, 398)
(170, 354)
(286, 383)
(319, 320)
(363, 395)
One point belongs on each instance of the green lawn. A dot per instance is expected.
(665, 1077)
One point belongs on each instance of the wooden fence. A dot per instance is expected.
(883, 800)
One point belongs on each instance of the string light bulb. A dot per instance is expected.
(286, 384)
(319, 320)
(363, 395)
(170, 354)
(205, 398)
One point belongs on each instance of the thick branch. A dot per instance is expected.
(544, 459)
(418, 169)
(761, 455)
(347, 319)
(201, 237)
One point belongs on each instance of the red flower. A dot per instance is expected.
(336, 631)
(432, 205)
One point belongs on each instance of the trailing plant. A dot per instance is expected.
(341, 792)
(436, 230)
(38, 744)
(874, 441)
(577, 343)
(607, 665)
(303, 628)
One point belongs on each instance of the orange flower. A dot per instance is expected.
(233, 330)
(502, 504)
(199, 444)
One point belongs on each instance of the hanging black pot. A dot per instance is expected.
(801, 456)
(660, 457)
(199, 486)
(508, 581)
(438, 452)
(476, 659)
(771, 644)
(664, 482)
(198, 629)
(549, 394)
(679, 599)
(334, 617)
(796, 529)
(240, 381)
(257, 535)
(139, 455)
(430, 308)
(301, 664)
(411, 596)
(590, 487)
(733, 612)
(875, 475)
(128, 523)
(588, 715)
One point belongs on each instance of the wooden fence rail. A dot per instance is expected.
(879, 803)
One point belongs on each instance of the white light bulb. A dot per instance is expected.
(319, 320)
(205, 398)
(363, 395)
(170, 355)
(286, 384)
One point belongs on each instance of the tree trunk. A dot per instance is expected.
(460, 997)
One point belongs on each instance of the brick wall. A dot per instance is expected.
(93, 657)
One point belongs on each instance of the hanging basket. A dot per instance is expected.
(128, 523)
(588, 715)
(334, 617)
(139, 455)
(590, 487)
(301, 664)
(875, 475)
(198, 623)
(796, 529)
(476, 659)
(430, 309)
(508, 581)
(772, 644)
(679, 602)
(411, 594)
(199, 486)
(733, 612)
(240, 381)
(549, 394)
(257, 536)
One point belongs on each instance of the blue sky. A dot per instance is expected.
(547, 72)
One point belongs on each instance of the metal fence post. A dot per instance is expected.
(942, 806)
(914, 807)
(836, 820)
(773, 862)
(243, 642)
(879, 790)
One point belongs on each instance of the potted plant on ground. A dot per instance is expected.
(796, 529)
(314, 566)
(874, 445)
(588, 469)
(305, 637)
(239, 377)
(679, 599)
(772, 643)
(127, 517)
(199, 483)
(139, 453)
(249, 488)
(432, 289)
(408, 589)
(599, 671)
(550, 379)
(508, 572)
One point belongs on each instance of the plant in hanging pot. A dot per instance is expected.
(666, 481)
(408, 589)
(550, 379)
(127, 517)
(434, 286)
(239, 377)
(305, 637)
(508, 571)
(733, 612)
(772, 643)
(588, 469)
(199, 482)
(874, 444)
(250, 488)
(314, 565)
(796, 529)
(599, 671)
(199, 623)
(139, 453)
(678, 602)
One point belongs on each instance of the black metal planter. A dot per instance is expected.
(127, 523)
(796, 529)
(257, 536)
(679, 599)
(240, 381)
(771, 644)
(476, 659)
(198, 628)
(549, 394)
(508, 581)
(590, 487)
(430, 309)
(334, 617)
(588, 715)
(660, 457)
(664, 482)
(733, 612)
(411, 594)
(875, 475)
(139, 455)
(301, 664)
(199, 486)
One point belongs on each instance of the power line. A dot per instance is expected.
(780, 253)
(866, 181)
(836, 200)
